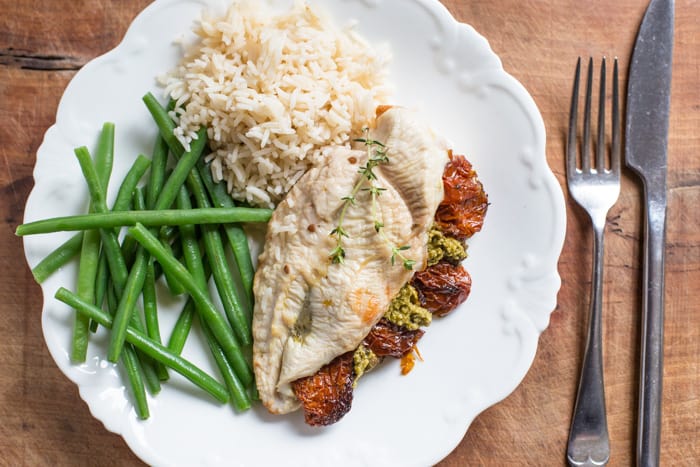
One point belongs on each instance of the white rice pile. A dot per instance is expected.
(274, 89)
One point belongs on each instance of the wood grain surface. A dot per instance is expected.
(43, 421)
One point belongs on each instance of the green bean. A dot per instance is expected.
(133, 372)
(190, 245)
(181, 330)
(164, 122)
(220, 268)
(182, 327)
(182, 169)
(169, 233)
(205, 307)
(139, 199)
(115, 260)
(112, 301)
(113, 304)
(193, 261)
(101, 281)
(159, 162)
(87, 271)
(131, 180)
(57, 258)
(104, 155)
(127, 302)
(128, 248)
(238, 242)
(95, 186)
(235, 234)
(150, 306)
(147, 218)
(151, 378)
(173, 284)
(126, 193)
(149, 369)
(152, 349)
(236, 389)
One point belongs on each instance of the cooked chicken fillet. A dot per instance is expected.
(309, 310)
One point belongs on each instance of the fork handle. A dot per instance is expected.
(651, 373)
(589, 443)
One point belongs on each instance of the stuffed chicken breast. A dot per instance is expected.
(310, 309)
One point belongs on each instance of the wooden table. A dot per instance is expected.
(44, 422)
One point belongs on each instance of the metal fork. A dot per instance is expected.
(595, 185)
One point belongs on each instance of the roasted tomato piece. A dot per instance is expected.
(442, 287)
(326, 396)
(387, 339)
(464, 206)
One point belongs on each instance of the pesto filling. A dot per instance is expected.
(364, 360)
(441, 247)
(405, 310)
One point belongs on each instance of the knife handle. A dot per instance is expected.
(652, 341)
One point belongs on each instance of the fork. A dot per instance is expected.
(594, 182)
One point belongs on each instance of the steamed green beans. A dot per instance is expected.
(235, 234)
(65, 252)
(122, 282)
(238, 318)
(150, 348)
(206, 308)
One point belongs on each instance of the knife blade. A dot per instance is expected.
(648, 107)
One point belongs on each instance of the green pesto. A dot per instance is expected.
(441, 247)
(405, 310)
(364, 360)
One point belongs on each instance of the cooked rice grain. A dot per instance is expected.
(274, 90)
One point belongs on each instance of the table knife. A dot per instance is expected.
(648, 106)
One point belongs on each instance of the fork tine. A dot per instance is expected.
(586, 144)
(600, 147)
(573, 123)
(615, 153)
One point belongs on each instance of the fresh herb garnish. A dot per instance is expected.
(377, 154)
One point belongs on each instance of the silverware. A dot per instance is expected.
(648, 104)
(595, 187)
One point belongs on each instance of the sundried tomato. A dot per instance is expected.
(326, 396)
(442, 287)
(464, 206)
(387, 339)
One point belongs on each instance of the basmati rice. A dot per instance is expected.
(274, 89)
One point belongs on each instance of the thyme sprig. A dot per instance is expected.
(377, 154)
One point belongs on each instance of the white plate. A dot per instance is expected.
(473, 358)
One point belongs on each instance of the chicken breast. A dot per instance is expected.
(309, 310)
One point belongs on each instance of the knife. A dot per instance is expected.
(648, 105)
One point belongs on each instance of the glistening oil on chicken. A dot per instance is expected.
(323, 320)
